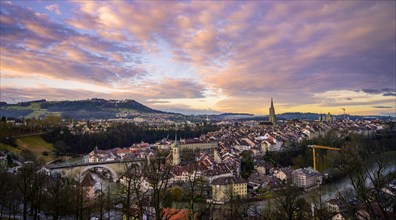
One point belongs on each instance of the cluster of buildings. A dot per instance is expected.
(279, 137)
(88, 127)
(216, 156)
(136, 151)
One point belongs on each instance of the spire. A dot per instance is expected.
(272, 103)
(272, 117)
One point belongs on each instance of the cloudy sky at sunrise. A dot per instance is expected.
(203, 57)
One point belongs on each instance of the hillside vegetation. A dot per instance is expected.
(80, 109)
(35, 144)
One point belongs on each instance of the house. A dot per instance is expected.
(284, 174)
(88, 183)
(260, 181)
(262, 167)
(335, 205)
(224, 188)
(306, 177)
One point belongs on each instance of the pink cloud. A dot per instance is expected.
(54, 8)
(244, 48)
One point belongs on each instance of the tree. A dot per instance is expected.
(289, 203)
(25, 185)
(157, 172)
(59, 197)
(28, 156)
(9, 195)
(299, 161)
(134, 192)
(195, 192)
(247, 165)
(80, 200)
(319, 205)
(238, 208)
(38, 192)
(368, 183)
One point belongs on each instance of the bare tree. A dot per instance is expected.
(134, 192)
(319, 206)
(38, 193)
(238, 207)
(9, 195)
(368, 184)
(157, 172)
(289, 204)
(80, 200)
(25, 183)
(59, 197)
(195, 191)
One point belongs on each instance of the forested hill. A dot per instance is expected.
(81, 109)
(97, 105)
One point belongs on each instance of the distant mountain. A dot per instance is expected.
(240, 114)
(97, 105)
(299, 115)
(81, 109)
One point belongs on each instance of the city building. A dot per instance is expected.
(284, 174)
(196, 144)
(224, 188)
(329, 117)
(306, 177)
(175, 152)
(272, 116)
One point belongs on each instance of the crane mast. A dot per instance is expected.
(320, 147)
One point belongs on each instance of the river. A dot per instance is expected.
(330, 190)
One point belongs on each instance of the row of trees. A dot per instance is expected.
(118, 135)
(36, 192)
(146, 190)
(8, 131)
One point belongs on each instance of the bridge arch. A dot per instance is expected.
(113, 174)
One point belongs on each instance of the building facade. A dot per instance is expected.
(192, 144)
(224, 188)
(306, 178)
(175, 153)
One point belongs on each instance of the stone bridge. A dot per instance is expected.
(116, 168)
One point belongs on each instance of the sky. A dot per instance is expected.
(198, 57)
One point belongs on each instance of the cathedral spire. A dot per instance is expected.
(175, 151)
(272, 116)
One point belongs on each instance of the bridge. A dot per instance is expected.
(116, 168)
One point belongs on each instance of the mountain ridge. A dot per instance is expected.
(94, 108)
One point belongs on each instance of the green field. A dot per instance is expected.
(37, 145)
(33, 143)
(38, 112)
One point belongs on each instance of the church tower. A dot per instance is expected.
(272, 116)
(175, 152)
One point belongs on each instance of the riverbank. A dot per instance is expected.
(331, 188)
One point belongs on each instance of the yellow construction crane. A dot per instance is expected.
(320, 147)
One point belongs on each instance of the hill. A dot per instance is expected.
(80, 109)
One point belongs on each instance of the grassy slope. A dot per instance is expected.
(36, 145)
(5, 147)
